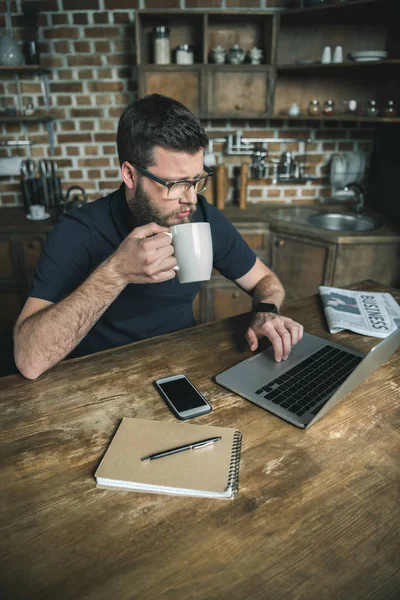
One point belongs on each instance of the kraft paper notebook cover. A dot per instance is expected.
(210, 472)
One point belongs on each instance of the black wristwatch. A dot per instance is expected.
(265, 307)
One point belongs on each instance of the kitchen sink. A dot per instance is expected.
(333, 221)
(343, 222)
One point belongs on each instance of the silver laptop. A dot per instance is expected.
(315, 377)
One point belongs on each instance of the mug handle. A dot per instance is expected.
(176, 268)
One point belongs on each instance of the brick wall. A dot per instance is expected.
(89, 46)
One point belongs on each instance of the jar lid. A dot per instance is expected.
(314, 102)
(185, 47)
(161, 29)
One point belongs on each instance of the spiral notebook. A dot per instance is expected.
(208, 472)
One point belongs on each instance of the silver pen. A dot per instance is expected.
(193, 445)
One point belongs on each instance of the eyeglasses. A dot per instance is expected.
(177, 189)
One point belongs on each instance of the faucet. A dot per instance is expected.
(359, 206)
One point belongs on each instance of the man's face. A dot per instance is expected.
(150, 201)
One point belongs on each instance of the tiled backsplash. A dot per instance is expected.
(89, 45)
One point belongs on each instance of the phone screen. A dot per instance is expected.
(182, 394)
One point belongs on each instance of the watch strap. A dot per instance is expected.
(265, 307)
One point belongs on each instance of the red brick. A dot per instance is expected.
(104, 73)
(162, 4)
(81, 4)
(42, 5)
(51, 61)
(61, 47)
(86, 125)
(72, 87)
(105, 86)
(57, 33)
(72, 151)
(94, 174)
(290, 193)
(68, 126)
(111, 184)
(75, 174)
(64, 100)
(124, 17)
(83, 100)
(273, 193)
(86, 113)
(93, 162)
(107, 124)
(85, 74)
(120, 59)
(203, 3)
(127, 4)
(100, 17)
(80, 19)
(74, 138)
(91, 150)
(84, 61)
(109, 149)
(82, 47)
(243, 3)
(102, 46)
(116, 112)
(111, 173)
(104, 137)
(59, 19)
(102, 32)
(283, 4)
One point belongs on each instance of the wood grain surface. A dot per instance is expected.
(317, 514)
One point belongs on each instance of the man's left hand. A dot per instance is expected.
(282, 332)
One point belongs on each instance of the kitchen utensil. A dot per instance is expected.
(326, 57)
(235, 55)
(337, 171)
(337, 55)
(244, 175)
(57, 187)
(73, 199)
(30, 165)
(258, 167)
(184, 54)
(294, 110)
(10, 53)
(286, 165)
(368, 55)
(255, 56)
(50, 185)
(44, 182)
(218, 55)
(162, 48)
(220, 177)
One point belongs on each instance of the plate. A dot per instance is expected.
(368, 55)
(45, 216)
(343, 194)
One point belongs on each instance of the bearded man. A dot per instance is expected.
(106, 274)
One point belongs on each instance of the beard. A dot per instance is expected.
(143, 210)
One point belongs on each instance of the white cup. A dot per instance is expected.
(338, 55)
(193, 251)
(37, 211)
(326, 57)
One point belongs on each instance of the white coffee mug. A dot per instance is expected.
(37, 211)
(193, 251)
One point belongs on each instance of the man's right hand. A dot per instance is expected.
(145, 256)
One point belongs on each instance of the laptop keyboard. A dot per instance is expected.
(303, 387)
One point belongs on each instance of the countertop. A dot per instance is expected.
(317, 514)
(13, 220)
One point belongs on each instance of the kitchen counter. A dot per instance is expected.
(263, 212)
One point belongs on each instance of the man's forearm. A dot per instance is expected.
(46, 337)
(269, 289)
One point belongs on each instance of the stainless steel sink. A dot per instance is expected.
(342, 222)
(333, 221)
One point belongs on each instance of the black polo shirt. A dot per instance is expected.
(85, 237)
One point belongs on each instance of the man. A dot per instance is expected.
(105, 277)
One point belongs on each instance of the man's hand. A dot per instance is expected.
(145, 256)
(282, 332)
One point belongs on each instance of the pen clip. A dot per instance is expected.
(201, 445)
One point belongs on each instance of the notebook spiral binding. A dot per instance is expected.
(233, 473)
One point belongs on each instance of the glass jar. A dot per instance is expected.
(162, 48)
(329, 108)
(314, 108)
(371, 109)
(389, 110)
(184, 55)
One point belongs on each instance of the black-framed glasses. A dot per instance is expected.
(177, 189)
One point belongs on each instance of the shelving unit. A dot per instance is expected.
(40, 116)
(267, 90)
(211, 90)
(356, 26)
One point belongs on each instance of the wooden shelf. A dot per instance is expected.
(34, 69)
(344, 65)
(338, 117)
(44, 118)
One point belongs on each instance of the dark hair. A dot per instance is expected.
(157, 120)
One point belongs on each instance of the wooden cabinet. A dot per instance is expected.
(233, 92)
(302, 264)
(220, 298)
(210, 90)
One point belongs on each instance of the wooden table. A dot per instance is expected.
(317, 515)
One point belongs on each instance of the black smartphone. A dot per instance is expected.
(182, 397)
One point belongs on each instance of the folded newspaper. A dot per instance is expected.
(368, 313)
